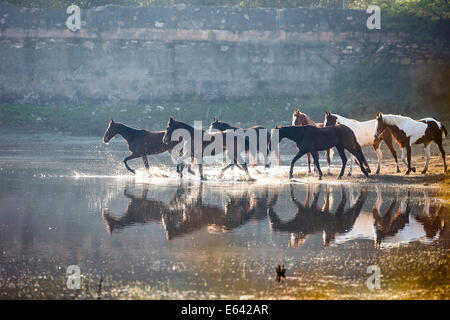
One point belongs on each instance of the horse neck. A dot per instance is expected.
(304, 120)
(225, 126)
(288, 132)
(187, 127)
(126, 132)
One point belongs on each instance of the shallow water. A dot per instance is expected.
(70, 202)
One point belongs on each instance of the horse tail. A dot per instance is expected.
(444, 131)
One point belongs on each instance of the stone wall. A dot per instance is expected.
(138, 55)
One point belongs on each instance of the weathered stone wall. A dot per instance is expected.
(138, 55)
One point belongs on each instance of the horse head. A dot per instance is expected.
(170, 128)
(330, 120)
(214, 125)
(296, 117)
(110, 132)
(380, 126)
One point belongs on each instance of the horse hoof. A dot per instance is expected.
(407, 172)
(291, 177)
(413, 169)
(398, 170)
(320, 177)
(349, 174)
(377, 172)
(424, 171)
(340, 177)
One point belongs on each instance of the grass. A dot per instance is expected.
(269, 112)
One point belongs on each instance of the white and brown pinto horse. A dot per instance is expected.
(364, 134)
(408, 131)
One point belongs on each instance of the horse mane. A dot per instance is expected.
(395, 119)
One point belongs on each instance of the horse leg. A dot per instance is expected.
(426, 149)
(224, 169)
(351, 165)
(297, 156)
(388, 140)
(441, 149)
(189, 169)
(130, 157)
(404, 156)
(180, 167)
(408, 155)
(243, 165)
(200, 172)
(329, 161)
(357, 153)
(316, 162)
(341, 152)
(309, 162)
(377, 148)
(145, 160)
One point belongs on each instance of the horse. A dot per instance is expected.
(311, 219)
(223, 126)
(363, 132)
(312, 139)
(233, 150)
(140, 143)
(408, 131)
(301, 119)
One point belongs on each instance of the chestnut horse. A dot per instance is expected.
(301, 119)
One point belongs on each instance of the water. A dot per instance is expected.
(70, 202)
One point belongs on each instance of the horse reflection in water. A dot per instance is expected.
(389, 224)
(312, 219)
(184, 213)
(430, 215)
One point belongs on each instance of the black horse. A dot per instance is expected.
(312, 139)
(141, 143)
(222, 126)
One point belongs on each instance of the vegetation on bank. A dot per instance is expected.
(414, 16)
(269, 112)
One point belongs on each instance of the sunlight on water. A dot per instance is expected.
(154, 235)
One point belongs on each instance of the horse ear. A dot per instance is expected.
(112, 121)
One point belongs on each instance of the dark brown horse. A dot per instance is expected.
(260, 145)
(301, 119)
(141, 143)
(312, 139)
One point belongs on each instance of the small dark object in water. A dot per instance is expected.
(280, 272)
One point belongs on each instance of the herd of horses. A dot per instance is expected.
(310, 137)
